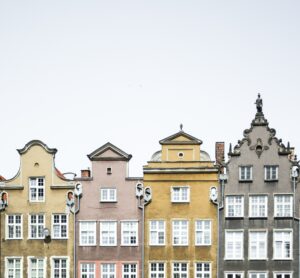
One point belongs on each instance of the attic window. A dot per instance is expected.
(180, 154)
(108, 171)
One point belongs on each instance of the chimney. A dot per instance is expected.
(86, 173)
(220, 152)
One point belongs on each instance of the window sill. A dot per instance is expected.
(225, 259)
(283, 217)
(271, 180)
(245, 181)
(87, 245)
(129, 245)
(108, 201)
(235, 217)
(290, 259)
(258, 217)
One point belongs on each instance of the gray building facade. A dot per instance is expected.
(259, 211)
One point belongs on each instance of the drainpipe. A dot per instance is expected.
(144, 196)
(222, 179)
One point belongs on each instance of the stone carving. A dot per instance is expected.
(259, 147)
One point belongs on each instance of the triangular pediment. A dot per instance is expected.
(109, 152)
(180, 138)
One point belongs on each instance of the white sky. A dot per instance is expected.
(76, 74)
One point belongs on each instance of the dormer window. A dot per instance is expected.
(108, 171)
(108, 195)
(245, 173)
(271, 173)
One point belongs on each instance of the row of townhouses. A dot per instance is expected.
(188, 216)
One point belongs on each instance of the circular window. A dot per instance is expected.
(180, 154)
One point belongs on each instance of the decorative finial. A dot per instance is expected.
(181, 126)
(259, 104)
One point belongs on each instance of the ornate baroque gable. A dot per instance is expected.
(259, 146)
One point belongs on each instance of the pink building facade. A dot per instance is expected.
(108, 224)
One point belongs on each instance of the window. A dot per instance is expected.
(36, 267)
(283, 245)
(59, 226)
(108, 233)
(129, 231)
(283, 275)
(157, 232)
(180, 270)
(234, 275)
(14, 267)
(157, 270)
(108, 271)
(235, 206)
(283, 206)
(87, 270)
(271, 173)
(258, 206)
(202, 270)
(108, 195)
(14, 226)
(203, 232)
(87, 231)
(180, 232)
(257, 274)
(60, 268)
(258, 245)
(234, 245)
(108, 171)
(36, 226)
(180, 194)
(129, 271)
(245, 173)
(36, 189)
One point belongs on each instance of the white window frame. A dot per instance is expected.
(37, 187)
(134, 231)
(29, 265)
(283, 203)
(275, 256)
(180, 197)
(108, 198)
(130, 273)
(36, 225)
(235, 204)
(268, 177)
(250, 273)
(243, 172)
(157, 272)
(259, 205)
(235, 241)
(89, 232)
(202, 272)
(60, 225)
(283, 273)
(109, 231)
(234, 273)
(157, 231)
(180, 272)
(257, 245)
(179, 234)
(203, 231)
(89, 271)
(13, 258)
(14, 226)
(108, 273)
(52, 258)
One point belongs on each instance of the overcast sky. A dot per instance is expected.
(77, 74)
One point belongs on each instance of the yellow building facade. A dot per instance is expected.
(181, 223)
(37, 235)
